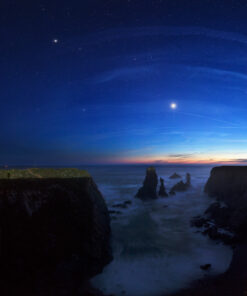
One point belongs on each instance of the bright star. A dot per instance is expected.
(55, 40)
(173, 106)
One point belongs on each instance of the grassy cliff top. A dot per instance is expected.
(43, 173)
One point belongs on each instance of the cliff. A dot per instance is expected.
(228, 184)
(55, 231)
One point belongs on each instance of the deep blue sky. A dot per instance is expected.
(102, 92)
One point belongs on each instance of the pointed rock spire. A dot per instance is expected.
(162, 191)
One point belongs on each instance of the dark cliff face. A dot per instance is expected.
(55, 234)
(229, 184)
(148, 190)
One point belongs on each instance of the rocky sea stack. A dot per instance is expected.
(148, 190)
(181, 186)
(175, 176)
(55, 232)
(162, 190)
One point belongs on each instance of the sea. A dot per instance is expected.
(156, 251)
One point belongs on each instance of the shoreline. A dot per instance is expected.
(232, 282)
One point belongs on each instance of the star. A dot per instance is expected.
(55, 40)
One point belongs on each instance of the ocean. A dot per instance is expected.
(156, 251)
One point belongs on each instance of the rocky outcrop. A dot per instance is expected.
(175, 176)
(148, 190)
(55, 232)
(162, 190)
(172, 192)
(229, 184)
(181, 186)
(188, 180)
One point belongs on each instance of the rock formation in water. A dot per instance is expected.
(172, 192)
(175, 176)
(148, 190)
(181, 186)
(55, 231)
(188, 180)
(162, 190)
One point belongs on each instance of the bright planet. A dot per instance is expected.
(173, 106)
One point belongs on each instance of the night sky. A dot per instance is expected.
(92, 82)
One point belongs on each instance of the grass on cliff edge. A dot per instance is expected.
(40, 173)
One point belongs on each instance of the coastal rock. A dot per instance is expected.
(229, 185)
(175, 176)
(120, 205)
(188, 179)
(219, 214)
(198, 221)
(148, 190)
(182, 186)
(172, 192)
(205, 266)
(162, 190)
(114, 212)
(55, 231)
(128, 202)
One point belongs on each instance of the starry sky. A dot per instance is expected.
(92, 82)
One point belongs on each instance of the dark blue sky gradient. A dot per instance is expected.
(102, 93)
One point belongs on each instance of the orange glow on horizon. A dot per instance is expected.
(177, 161)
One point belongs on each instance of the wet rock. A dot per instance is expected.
(219, 234)
(162, 190)
(128, 202)
(175, 176)
(182, 186)
(148, 190)
(220, 215)
(172, 192)
(213, 233)
(114, 212)
(205, 266)
(188, 180)
(198, 221)
(120, 205)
